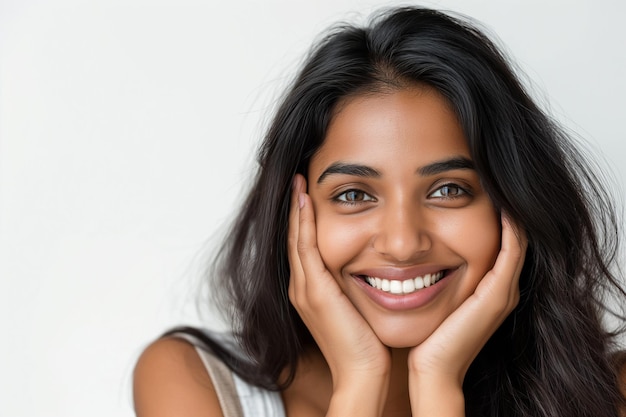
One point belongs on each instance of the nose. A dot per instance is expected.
(403, 233)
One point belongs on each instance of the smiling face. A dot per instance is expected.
(403, 223)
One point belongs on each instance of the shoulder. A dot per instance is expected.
(171, 380)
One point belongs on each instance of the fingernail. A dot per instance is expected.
(301, 200)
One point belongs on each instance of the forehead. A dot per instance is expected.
(411, 127)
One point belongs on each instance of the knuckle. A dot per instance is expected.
(296, 296)
(317, 300)
(291, 292)
(495, 304)
(505, 308)
(515, 299)
(303, 247)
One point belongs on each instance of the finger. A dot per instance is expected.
(318, 279)
(497, 294)
(295, 266)
(504, 276)
(520, 243)
(463, 334)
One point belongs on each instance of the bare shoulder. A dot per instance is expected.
(171, 380)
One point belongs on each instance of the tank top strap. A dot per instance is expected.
(237, 397)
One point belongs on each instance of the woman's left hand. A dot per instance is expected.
(438, 366)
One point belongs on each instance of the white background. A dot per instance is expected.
(127, 130)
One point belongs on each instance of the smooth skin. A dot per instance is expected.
(347, 325)
(396, 220)
(361, 366)
(395, 195)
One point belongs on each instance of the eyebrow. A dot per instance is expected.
(354, 170)
(365, 171)
(458, 162)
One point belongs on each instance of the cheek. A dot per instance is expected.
(487, 239)
(475, 235)
(338, 240)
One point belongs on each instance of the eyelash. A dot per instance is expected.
(366, 198)
(341, 197)
(460, 191)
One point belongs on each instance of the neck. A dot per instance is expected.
(313, 371)
(398, 403)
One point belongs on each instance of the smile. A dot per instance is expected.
(407, 286)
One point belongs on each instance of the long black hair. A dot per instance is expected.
(552, 356)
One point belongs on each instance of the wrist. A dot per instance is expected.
(436, 395)
(360, 394)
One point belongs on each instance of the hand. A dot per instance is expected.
(353, 352)
(443, 358)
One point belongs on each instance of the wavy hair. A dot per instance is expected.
(552, 356)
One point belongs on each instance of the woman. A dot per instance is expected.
(420, 240)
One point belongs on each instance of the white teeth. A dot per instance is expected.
(395, 287)
(419, 283)
(407, 286)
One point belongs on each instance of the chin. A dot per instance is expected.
(402, 338)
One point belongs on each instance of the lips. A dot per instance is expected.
(406, 286)
(386, 287)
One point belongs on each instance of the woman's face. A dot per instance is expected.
(403, 223)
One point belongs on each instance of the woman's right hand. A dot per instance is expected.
(359, 363)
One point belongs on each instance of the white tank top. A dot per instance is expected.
(255, 401)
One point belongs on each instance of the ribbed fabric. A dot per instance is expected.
(254, 401)
(237, 397)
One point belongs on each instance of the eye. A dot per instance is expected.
(354, 197)
(448, 191)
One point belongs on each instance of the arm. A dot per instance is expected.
(171, 380)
